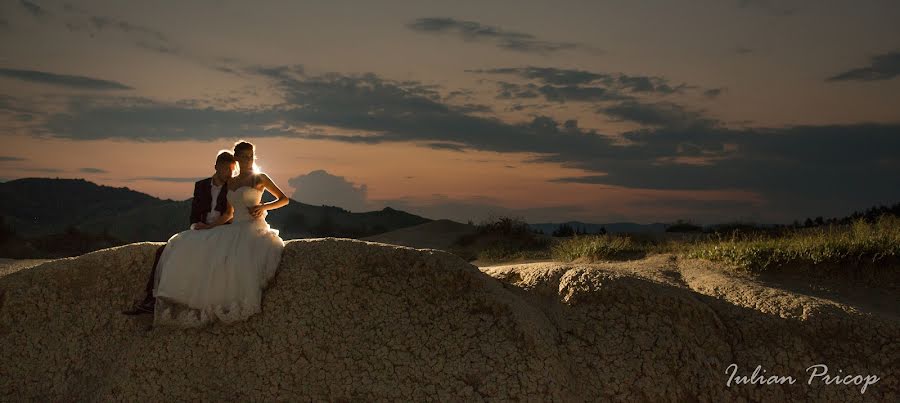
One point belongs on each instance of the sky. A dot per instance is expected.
(598, 111)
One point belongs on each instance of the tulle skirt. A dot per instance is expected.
(215, 274)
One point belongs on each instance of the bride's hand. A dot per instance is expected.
(256, 211)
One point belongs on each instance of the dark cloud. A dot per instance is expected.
(63, 80)
(517, 91)
(145, 120)
(743, 50)
(713, 92)
(33, 8)
(471, 31)
(93, 171)
(551, 75)
(882, 67)
(472, 108)
(829, 170)
(369, 103)
(664, 114)
(4, 158)
(561, 85)
(573, 77)
(800, 170)
(579, 93)
(320, 187)
(446, 146)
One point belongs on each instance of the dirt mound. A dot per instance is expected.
(437, 234)
(348, 319)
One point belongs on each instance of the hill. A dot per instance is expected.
(353, 320)
(39, 211)
(437, 234)
(611, 228)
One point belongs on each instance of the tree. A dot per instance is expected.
(564, 230)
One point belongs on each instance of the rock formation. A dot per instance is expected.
(353, 320)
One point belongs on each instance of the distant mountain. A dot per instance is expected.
(611, 228)
(37, 207)
(44, 206)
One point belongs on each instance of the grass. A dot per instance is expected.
(600, 247)
(858, 243)
(502, 239)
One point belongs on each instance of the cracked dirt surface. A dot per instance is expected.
(352, 320)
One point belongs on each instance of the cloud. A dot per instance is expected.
(320, 187)
(794, 169)
(798, 170)
(743, 50)
(472, 31)
(33, 8)
(145, 120)
(446, 146)
(4, 158)
(882, 67)
(665, 114)
(714, 92)
(93, 171)
(551, 75)
(561, 85)
(63, 80)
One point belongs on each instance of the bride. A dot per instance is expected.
(218, 272)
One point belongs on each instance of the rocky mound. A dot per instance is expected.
(347, 319)
(437, 234)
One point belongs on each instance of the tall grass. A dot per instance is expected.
(858, 243)
(599, 247)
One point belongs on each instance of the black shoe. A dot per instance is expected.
(144, 307)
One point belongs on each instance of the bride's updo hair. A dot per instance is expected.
(243, 145)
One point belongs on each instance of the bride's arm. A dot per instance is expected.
(281, 200)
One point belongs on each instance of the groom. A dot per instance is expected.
(209, 204)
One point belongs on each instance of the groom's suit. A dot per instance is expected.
(201, 206)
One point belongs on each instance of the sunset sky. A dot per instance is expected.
(599, 111)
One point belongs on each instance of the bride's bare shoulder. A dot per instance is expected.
(259, 178)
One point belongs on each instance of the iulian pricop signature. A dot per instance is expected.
(818, 374)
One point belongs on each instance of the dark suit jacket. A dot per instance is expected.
(200, 207)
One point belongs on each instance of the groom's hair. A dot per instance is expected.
(224, 156)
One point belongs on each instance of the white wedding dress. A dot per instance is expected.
(218, 273)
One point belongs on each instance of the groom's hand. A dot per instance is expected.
(202, 225)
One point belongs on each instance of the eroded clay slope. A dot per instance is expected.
(353, 320)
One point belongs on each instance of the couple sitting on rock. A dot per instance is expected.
(217, 269)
